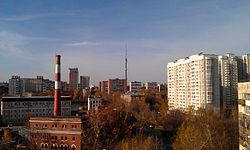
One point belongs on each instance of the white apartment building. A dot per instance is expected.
(94, 103)
(228, 73)
(16, 110)
(135, 87)
(194, 81)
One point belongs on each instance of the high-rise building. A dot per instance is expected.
(113, 85)
(73, 79)
(48, 85)
(15, 85)
(32, 85)
(243, 63)
(246, 67)
(135, 87)
(244, 115)
(19, 86)
(84, 82)
(117, 85)
(103, 87)
(194, 81)
(228, 73)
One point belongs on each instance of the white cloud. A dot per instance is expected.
(31, 17)
(11, 43)
(83, 43)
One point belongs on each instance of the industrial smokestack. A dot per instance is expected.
(57, 96)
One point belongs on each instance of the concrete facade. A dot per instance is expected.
(194, 81)
(16, 110)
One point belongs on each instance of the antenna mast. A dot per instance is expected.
(126, 65)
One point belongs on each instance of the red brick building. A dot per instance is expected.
(113, 85)
(56, 132)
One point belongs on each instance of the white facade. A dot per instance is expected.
(135, 87)
(16, 110)
(193, 81)
(94, 103)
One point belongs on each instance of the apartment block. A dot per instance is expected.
(117, 85)
(244, 115)
(228, 73)
(135, 87)
(15, 85)
(194, 81)
(84, 82)
(103, 87)
(246, 67)
(19, 86)
(94, 103)
(73, 79)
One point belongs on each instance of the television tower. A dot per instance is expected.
(126, 65)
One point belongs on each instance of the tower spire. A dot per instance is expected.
(126, 65)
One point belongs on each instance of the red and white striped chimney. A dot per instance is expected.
(57, 96)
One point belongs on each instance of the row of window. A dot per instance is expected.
(45, 137)
(54, 146)
(55, 126)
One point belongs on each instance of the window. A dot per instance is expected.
(64, 126)
(53, 146)
(74, 126)
(44, 125)
(73, 147)
(54, 125)
(46, 145)
(42, 145)
(74, 138)
(35, 125)
(64, 146)
(65, 138)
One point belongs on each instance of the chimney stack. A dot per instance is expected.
(57, 96)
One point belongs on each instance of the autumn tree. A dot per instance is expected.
(7, 134)
(139, 142)
(76, 94)
(206, 129)
(107, 126)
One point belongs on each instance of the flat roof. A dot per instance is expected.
(33, 98)
(57, 119)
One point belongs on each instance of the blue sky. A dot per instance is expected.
(92, 34)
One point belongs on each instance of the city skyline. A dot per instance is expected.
(92, 36)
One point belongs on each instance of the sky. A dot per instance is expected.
(92, 35)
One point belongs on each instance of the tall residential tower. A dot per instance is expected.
(194, 81)
(73, 79)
